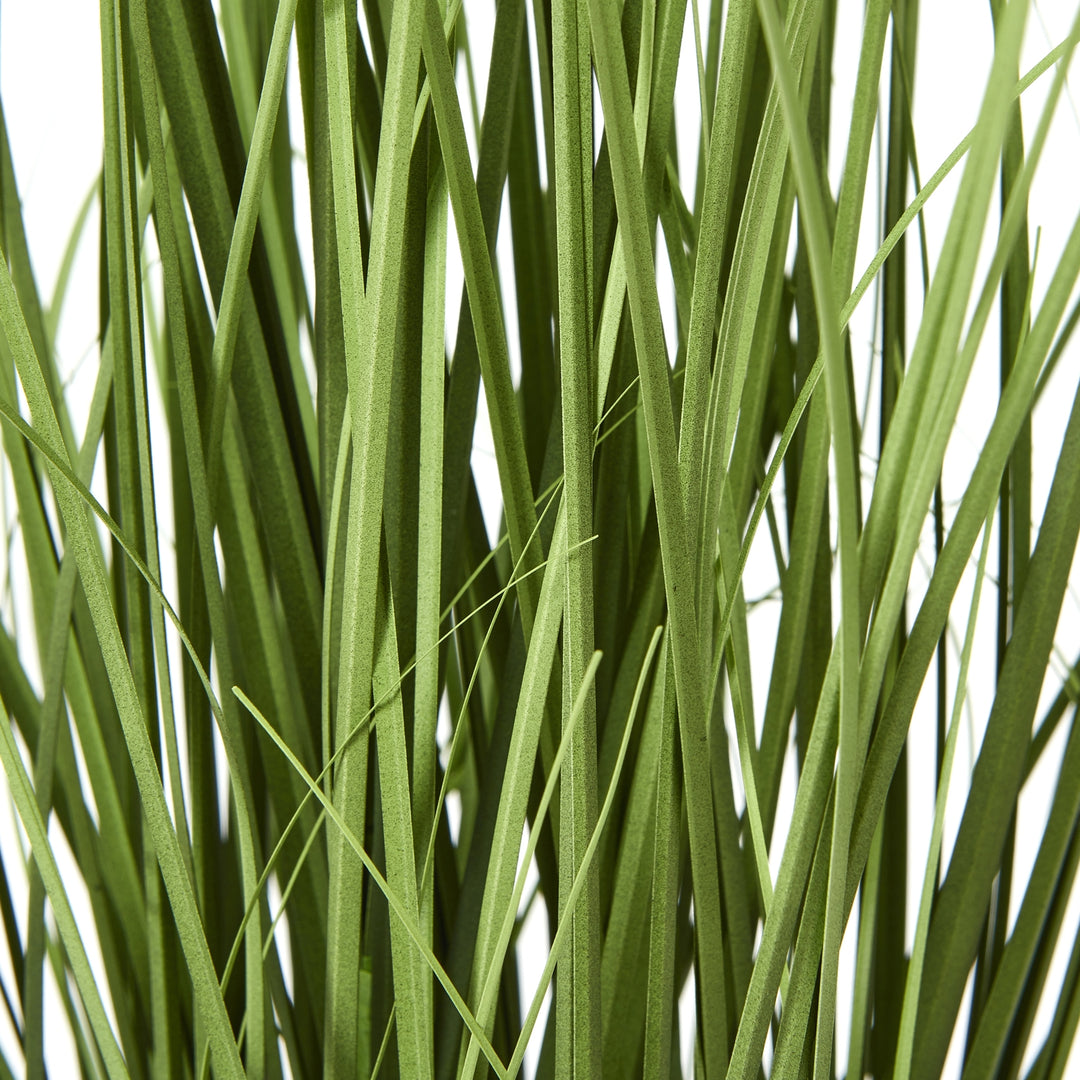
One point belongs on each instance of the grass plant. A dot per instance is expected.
(391, 770)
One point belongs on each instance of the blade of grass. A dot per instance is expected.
(396, 905)
(92, 572)
(1000, 763)
(912, 984)
(370, 319)
(577, 1007)
(484, 307)
(661, 988)
(23, 793)
(414, 1021)
(814, 222)
(563, 933)
(485, 1009)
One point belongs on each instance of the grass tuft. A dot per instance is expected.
(394, 765)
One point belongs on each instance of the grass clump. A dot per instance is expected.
(326, 771)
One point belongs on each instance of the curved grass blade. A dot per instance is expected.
(95, 584)
(23, 793)
(414, 931)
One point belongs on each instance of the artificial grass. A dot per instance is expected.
(415, 733)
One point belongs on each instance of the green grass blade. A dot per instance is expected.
(396, 904)
(967, 884)
(92, 572)
(23, 794)
(577, 1006)
(902, 1068)
(370, 319)
(670, 508)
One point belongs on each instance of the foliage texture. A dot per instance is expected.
(396, 770)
